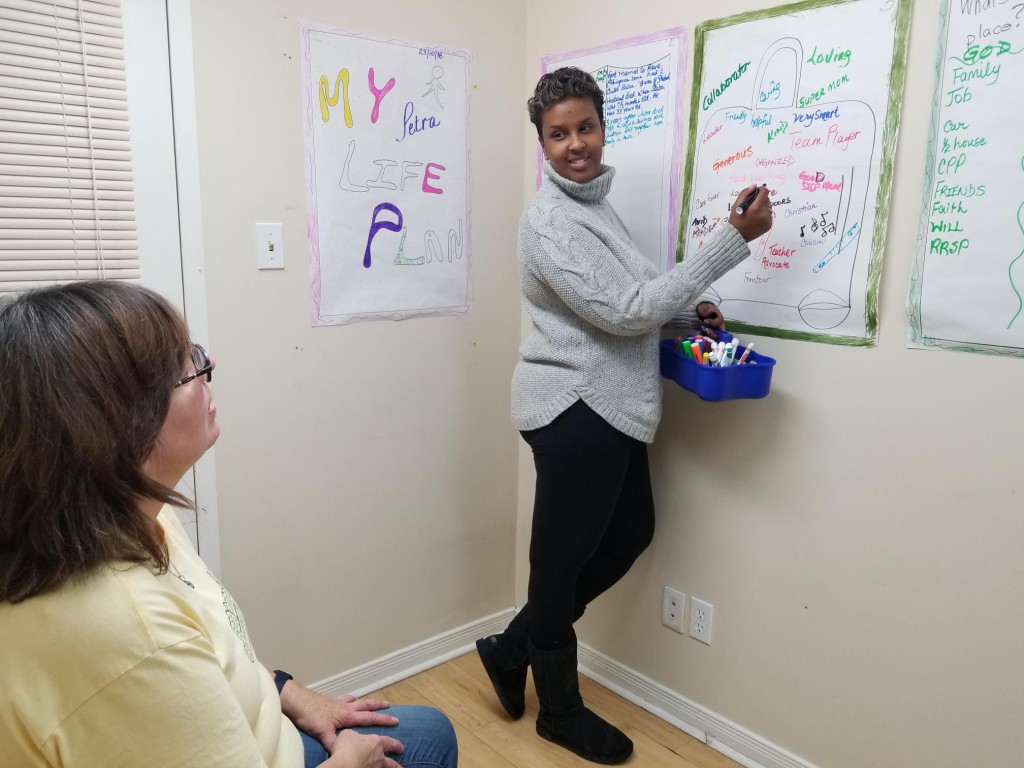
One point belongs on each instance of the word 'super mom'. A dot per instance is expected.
(411, 125)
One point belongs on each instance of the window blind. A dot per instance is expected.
(67, 208)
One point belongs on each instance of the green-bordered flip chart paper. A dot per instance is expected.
(386, 128)
(644, 83)
(968, 278)
(805, 99)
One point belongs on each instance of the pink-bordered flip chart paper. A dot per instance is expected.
(386, 127)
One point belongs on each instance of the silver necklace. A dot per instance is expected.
(177, 573)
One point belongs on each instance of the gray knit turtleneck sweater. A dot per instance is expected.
(597, 305)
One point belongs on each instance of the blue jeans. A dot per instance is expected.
(425, 732)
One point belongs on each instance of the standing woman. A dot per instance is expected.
(586, 396)
(118, 647)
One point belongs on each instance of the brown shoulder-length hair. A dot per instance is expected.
(86, 374)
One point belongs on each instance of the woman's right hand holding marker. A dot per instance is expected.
(752, 219)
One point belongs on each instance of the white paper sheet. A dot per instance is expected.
(968, 279)
(387, 169)
(803, 99)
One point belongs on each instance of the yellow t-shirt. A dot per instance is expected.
(126, 668)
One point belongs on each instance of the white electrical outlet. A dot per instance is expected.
(673, 608)
(701, 616)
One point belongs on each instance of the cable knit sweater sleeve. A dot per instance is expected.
(597, 304)
(593, 271)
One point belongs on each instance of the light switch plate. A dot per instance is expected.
(270, 246)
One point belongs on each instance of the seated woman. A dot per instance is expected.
(118, 646)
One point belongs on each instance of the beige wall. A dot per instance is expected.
(366, 474)
(859, 532)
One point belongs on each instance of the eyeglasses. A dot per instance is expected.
(201, 360)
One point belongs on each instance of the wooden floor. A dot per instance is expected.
(488, 738)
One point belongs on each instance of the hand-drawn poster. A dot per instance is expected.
(805, 99)
(968, 279)
(645, 99)
(387, 172)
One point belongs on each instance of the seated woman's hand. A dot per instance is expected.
(357, 750)
(321, 716)
(756, 219)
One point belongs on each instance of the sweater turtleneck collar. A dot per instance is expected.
(590, 191)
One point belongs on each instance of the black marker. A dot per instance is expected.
(749, 199)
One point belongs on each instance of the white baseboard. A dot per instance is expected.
(717, 732)
(730, 739)
(414, 659)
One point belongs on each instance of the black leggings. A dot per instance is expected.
(593, 515)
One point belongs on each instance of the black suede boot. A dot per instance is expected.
(506, 660)
(563, 719)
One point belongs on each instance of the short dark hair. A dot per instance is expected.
(86, 375)
(564, 83)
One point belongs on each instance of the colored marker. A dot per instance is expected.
(743, 357)
(749, 199)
